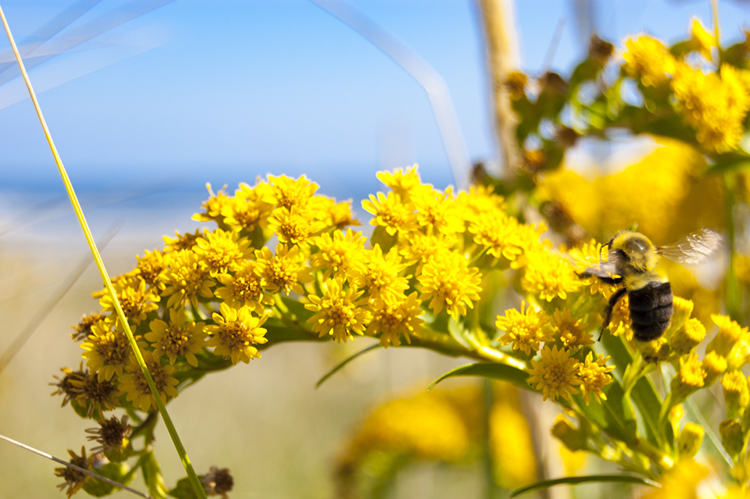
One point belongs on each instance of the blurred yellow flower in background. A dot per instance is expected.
(661, 193)
(443, 426)
(703, 41)
(715, 106)
(649, 60)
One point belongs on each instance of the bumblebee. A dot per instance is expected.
(631, 260)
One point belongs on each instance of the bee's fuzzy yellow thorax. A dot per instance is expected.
(639, 251)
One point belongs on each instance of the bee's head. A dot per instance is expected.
(633, 250)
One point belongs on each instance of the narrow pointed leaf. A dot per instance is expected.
(345, 362)
(456, 331)
(576, 480)
(644, 394)
(713, 442)
(615, 415)
(488, 370)
(152, 476)
(298, 309)
(730, 162)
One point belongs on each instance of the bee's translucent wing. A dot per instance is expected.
(604, 270)
(694, 248)
(591, 261)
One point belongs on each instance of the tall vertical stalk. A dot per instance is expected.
(502, 58)
(488, 462)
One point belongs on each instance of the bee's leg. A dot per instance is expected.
(602, 276)
(610, 306)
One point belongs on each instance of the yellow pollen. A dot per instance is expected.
(244, 288)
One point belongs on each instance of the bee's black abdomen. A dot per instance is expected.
(650, 310)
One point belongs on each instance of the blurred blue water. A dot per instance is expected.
(38, 212)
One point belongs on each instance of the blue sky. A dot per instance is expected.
(224, 91)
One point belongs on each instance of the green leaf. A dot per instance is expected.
(576, 480)
(552, 97)
(680, 49)
(207, 363)
(730, 162)
(81, 410)
(614, 415)
(438, 323)
(183, 490)
(115, 471)
(488, 370)
(596, 114)
(736, 55)
(554, 154)
(381, 237)
(152, 476)
(345, 362)
(644, 394)
(670, 126)
(713, 442)
(298, 309)
(457, 332)
(588, 69)
(280, 331)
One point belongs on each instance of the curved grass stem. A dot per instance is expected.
(195, 482)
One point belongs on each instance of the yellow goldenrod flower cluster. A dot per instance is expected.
(661, 193)
(215, 297)
(648, 59)
(442, 426)
(713, 103)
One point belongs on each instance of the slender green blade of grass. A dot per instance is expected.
(197, 486)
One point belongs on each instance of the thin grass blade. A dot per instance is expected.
(193, 477)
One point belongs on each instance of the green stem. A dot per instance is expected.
(633, 442)
(661, 459)
(198, 315)
(445, 344)
(488, 462)
(732, 297)
(633, 372)
(486, 352)
(479, 255)
(280, 306)
(149, 421)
